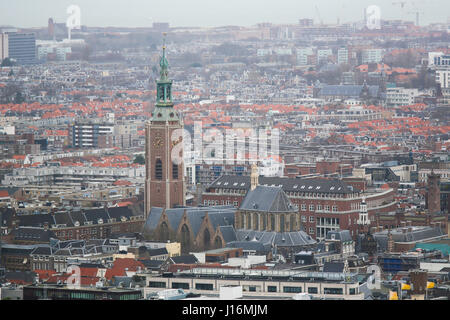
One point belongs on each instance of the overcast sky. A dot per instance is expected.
(203, 13)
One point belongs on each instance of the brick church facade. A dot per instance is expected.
(164, 181)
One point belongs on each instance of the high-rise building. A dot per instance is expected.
(92, 135)
(371, 56)
(302, 55)
(4, 48)
(164, 182)
(323, 54)
(51, 28)
(342, 56)
(21, 47)
(306, 22)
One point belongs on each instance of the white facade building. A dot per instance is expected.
(400, 96)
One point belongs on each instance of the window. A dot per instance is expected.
(156, 284)
(204, 286)
(311, 207)
(332, 291)
(287, 289)
(180, 285)
(352, 291)
(303, 207)
(271, 289)
(311, 219)
(312, 290)
(252, 288)
(311, 230)
(174, 171)
(327, 208)
(334, 208)
(319, 207)
(158, 169)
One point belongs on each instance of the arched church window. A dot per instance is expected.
(174, 171)
(158, 169)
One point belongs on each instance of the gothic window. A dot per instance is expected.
(292, 223)
(164, 232)
(206, 239)
(174, 171)
(256, 222)
(282, 223)
(218, 242)
(185, 238)
(272, 222)
(249, 221)
(158, 170)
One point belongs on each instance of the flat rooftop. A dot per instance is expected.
(253, 274)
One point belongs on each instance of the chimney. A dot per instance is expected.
(409, 229)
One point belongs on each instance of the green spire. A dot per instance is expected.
(164, 110)
(163, 63)
(164, 85)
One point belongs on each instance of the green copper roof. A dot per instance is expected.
(164, 110)
(165, 114)
(164, 64)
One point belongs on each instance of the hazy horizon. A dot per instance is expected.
(213, 13)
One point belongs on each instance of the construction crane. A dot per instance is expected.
(401, 3)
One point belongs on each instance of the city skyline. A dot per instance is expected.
(201, 13)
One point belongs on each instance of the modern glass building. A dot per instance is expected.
(22, 47)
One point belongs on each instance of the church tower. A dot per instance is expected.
(164, 178)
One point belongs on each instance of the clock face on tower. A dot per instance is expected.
(158, 142)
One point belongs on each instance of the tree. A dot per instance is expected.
(7, 62)
(139, 159)
(18, 99)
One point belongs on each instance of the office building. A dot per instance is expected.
(21, 47)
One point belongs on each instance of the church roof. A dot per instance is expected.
(408, 234)
(153, 218)
(282, 239)
(218, 216)
(316, 185)
(228, 233)
(267, 199)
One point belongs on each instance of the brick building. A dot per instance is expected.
(198, 228)
(92, 223)
(164, 178)
(322, 204)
